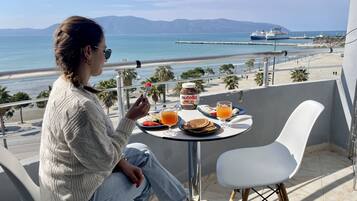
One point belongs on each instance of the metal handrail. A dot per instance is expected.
(31, 101)
(310, 67)
(218, 76)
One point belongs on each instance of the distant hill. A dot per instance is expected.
(115, 25)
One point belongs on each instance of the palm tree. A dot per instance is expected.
(21, 96)
(231, 82)
(209, 71)
(107, 97)
(259, 77)
(194, 73)
(178, 88)
(154, 93)
(43, 94)
(299, 75)
(226, 69)
(151, 79)
(163, 74)
(6, 112)
(129, 75)
(199, 85)
(250, 64)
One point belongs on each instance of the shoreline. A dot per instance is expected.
(268, 43)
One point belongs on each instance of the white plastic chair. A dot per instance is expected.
(28, 190)
(271, 164)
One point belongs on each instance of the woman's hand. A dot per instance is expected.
(134, 173)
(139, 109)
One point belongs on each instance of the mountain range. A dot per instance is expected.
(116, 25)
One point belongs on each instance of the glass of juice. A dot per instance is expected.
(224, 111)
(169, 117)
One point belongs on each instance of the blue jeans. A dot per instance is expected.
(117, 187)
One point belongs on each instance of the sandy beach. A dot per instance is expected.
(313, 63)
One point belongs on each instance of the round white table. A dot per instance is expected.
(194, 145)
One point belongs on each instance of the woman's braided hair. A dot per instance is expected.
(70, 38)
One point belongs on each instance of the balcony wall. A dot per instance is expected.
(270, 108)
(349, 74)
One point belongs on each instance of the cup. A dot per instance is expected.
(169, 117)
(224, 111)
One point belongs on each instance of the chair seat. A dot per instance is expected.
(17, 174)
(256, 166)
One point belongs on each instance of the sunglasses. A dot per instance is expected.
(107, 52)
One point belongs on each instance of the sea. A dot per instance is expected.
(36, 52)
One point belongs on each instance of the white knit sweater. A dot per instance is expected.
(79, 146)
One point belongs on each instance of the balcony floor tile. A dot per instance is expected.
(324, 175)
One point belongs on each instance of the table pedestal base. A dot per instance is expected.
(194, 170)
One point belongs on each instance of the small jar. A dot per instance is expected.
(189, 97)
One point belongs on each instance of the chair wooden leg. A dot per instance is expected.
(245, 194)
(280, 197)
(282, 194)
(233, 195)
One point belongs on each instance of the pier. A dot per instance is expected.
(245, 43)
(301, 37)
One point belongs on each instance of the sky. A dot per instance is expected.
(296, 15)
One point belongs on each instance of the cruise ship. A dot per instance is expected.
(276, 34)
(258, 35)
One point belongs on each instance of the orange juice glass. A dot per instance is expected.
(224, 111)
(169, 118)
